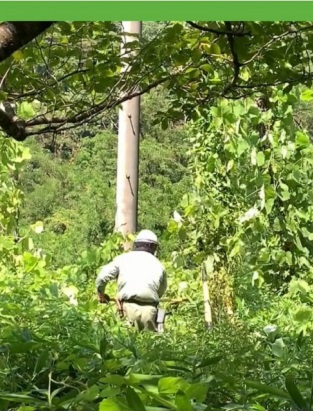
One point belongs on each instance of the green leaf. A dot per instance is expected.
(172, 226)
(266, 389)
(108, 73)
(25, 110)
(285, 195)
(215, 49)
(303, 286)
(307, 95)
(3, 96)
(4, 405)
(209, 264)
(113, 405)
(258, 407)
(41, 361)
(260, 158)
(299, 285)
(295, 393)
(170, 385)
(303, 315)
(18, 55)
(25, 155)
(302, 140)
(157, 409)
(278, 347)
(209, 361)
(181, 59)
(305, 232)
(182, 402)
(245, 74)
(90, 394)
(197, 392)
(242, 147)
(22, 347)
(133, 400)
(140, 379)
(193, 73)
(162, 401)
(257, 279)
(206, 67)
(103, 347)
(254, 113)
(19, 398)
(236, 249)
(182, 233)
(269, 205)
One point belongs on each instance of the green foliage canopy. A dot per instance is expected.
(71, 74)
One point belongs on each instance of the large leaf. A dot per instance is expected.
(278, 347)
(182, 402)
(209, 361)
(170, 385)
(113, 405)
(302, 140)
(197, 392)
(295, 393)
(19, 398)
(133, 400)
(266, 389)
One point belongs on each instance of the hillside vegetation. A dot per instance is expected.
(69, 184)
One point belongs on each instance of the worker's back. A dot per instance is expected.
(140, 276)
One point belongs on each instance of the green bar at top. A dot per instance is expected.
(153, 10)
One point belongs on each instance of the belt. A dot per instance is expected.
(143, 303)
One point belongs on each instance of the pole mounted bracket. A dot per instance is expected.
(130, 185)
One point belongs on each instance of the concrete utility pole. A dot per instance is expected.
(128, 151)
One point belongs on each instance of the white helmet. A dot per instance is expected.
(146, 236)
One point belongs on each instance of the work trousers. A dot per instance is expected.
(142, 316)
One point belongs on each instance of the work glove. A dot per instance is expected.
(103, 298)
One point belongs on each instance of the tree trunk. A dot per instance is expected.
(14, 35)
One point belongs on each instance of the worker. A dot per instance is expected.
(141, 280)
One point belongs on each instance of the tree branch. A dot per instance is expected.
(218, 32)
(33, 93)
(276, 38)
(18, 129)
(10, 124)
(14, 35)
(236, 63)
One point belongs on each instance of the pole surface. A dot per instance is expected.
(128, 153)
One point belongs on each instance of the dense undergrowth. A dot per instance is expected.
(61, 350)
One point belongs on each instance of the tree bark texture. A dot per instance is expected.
(14, 35)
